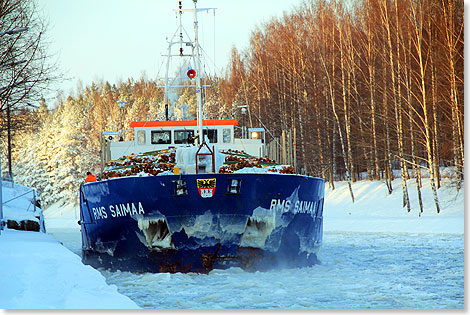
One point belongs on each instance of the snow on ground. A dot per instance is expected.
(59, 216)
(374, 210)
(36, 271)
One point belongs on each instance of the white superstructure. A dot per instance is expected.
(158, 135)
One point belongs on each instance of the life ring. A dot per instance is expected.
(191, 73)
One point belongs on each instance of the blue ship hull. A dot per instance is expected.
(175, 223)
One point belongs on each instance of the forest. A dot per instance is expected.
(370, 87)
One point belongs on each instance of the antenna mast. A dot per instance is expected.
(196, 58)
(198, 77)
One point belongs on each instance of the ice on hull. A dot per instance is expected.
(263, 225)
(197, 254)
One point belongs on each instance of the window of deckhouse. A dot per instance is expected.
(211, 134)
(161, 137)
(183, 136)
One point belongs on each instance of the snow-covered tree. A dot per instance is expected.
(29, 171)
(185, 108)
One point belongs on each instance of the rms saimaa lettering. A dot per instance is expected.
(297, 207)
(118, 210)
(100, 213)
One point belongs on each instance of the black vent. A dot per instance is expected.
(234, 186)
(180, 187)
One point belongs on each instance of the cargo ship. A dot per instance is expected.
(188, 196)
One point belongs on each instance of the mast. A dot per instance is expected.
(195, 55)
(198, 77)
(167, 79)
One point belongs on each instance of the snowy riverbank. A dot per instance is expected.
(374, 210)
(36, 271)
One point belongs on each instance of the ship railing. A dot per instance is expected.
(34, 202)
(211, 153)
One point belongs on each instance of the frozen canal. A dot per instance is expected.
(358, 270)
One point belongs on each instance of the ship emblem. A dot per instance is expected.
(206, 187)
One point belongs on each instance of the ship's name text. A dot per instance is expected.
(288, 206)
(118, 210)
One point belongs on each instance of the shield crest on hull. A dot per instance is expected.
(206, 187)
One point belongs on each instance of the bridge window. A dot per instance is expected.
(226, 135)
(184, 136)
(161, 137)
(211, 134)
(141, 137)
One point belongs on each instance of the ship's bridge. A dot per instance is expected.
(158, 135)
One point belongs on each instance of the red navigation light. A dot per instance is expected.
(191, 73)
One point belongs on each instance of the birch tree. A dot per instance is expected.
(384, 5)
(417, 21)
(452, 40)
(330, 72)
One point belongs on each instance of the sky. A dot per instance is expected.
(113, 40)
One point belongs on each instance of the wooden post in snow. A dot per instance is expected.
(294, 150)
(278, 151)
(288, 137)
(284, 156)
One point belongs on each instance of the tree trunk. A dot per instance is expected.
(331, 147)
(396, 99)
(347, 121)
(448, 12)
(417, 39)
(319, 134)
(435, 143)
(364, 152)
(340, 133)
(388, 163)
